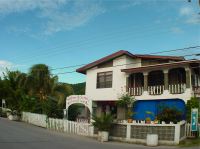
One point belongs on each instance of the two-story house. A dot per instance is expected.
(151, 79)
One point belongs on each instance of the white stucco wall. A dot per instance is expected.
(119, 81)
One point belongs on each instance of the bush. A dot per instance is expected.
(192, 103)
(168, 114)
(2, 113)
(103, 123)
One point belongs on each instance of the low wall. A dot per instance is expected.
(167, 133)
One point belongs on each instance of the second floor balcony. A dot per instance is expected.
(158, 82)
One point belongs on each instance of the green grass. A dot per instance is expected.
(190, 142)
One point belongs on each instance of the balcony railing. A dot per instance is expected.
(177, 88)
(159, 89)
(137, 91)
(156, 90)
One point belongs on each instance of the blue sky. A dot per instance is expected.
(62, 33)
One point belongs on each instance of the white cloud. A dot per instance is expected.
(5, 65)
(185, 11)
(190, 16)
(56, 15)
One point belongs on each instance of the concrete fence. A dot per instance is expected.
(133, 132)
(128, 132)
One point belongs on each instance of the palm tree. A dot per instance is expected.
(12, 88)
(39, 81)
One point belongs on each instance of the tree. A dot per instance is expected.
(39, 81)
(192, 103)
(12, 89)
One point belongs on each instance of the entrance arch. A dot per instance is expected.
(80, 99)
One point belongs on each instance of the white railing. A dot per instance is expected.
(35, 119)
(156, 90)
(136, 91)
(189, 133)
(60, 125)
(177, 88)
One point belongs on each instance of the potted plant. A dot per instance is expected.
(148, 120)
(170, 114)
(127, 102)
(103, 124)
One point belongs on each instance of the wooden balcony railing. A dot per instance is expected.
(177, 88)
(156, 90)
(159, 89)
(137, 91)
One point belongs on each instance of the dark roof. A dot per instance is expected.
(123, 52)
(158, 66)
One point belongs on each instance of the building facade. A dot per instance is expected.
(151, 79)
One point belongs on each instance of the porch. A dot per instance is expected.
(168, 82)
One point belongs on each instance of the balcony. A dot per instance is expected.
(159, 82)
(158, 90)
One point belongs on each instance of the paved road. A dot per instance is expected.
(18, 135)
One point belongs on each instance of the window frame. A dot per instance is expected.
(105, 83)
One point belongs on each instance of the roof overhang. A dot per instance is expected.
(121, 53)
(161, 66)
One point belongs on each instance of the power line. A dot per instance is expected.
(75, 71)
(165, 51)
(113, 66)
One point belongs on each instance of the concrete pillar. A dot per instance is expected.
(107, 109)
(121, 113)
(166, 79)
(127, 82)
(188, 77)
(99, 111)
(145, 81)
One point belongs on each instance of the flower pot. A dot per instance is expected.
(103, 136)
(148, 122)
(130, 120)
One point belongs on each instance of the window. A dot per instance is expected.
(104, 80)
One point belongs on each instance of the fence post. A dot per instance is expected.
(128, 131)
(177, 134)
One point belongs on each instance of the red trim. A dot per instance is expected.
(158, 66)
(123, 52)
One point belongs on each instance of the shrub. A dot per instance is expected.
(192, 103)
(168, 114)
(103, 123)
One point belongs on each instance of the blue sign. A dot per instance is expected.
(194, 120)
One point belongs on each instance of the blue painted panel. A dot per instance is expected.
(154, 106)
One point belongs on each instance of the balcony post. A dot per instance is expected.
(127, 82)
(145, 74)
(166, 79)
(188, 77)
